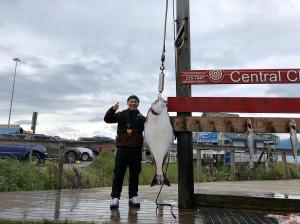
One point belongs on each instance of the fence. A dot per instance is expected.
(233, 150)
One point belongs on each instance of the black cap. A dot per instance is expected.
(133, 97)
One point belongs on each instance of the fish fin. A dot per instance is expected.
(154, 181)
(166, 182)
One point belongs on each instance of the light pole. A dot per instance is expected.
(13, 89)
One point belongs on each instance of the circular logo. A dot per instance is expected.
(215, 75)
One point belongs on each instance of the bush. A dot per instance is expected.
(16, 175)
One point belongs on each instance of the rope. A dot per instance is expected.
(174, 36)
(163, 57)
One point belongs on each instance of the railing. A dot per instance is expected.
(233, 150)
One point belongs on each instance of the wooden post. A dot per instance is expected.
(184, 139)
(285, 168)
(199, 165)
(232, 161)
(33, 127)
(57, 205)
(60, 166)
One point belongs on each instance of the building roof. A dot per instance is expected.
(243, 137)
(9, 129)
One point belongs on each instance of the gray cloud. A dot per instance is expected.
(79, 58)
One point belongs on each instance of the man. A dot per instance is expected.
(129, 143)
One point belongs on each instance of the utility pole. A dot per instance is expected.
(184, 139)
(33, 127)
(13, 89)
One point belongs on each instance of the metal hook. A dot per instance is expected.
(159, 96)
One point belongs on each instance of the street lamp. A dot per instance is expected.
(13, 89)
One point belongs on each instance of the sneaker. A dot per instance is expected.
(114, 203)
(134, 202)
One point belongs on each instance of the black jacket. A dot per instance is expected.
(127, 119)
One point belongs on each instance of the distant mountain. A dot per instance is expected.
(96, 138)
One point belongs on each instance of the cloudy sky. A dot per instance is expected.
(80, 57)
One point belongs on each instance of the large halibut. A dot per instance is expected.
(159, 137)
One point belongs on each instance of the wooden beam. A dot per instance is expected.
(232, 166)
(285, 166)
(232, 124)
(234, 104)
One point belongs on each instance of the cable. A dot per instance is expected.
(164, 39)
(174, 36)
(163, 57)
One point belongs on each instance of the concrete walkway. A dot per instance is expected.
(93, 204)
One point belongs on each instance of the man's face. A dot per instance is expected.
(132, 104)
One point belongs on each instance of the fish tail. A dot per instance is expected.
(166, 182)
(154, 181)
(160, 180)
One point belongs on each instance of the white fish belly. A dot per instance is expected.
(250, 142)
(159, 137)
(294, 142)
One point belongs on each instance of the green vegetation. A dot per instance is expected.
(17, 176)
(211, 173)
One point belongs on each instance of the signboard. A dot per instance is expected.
(241, 76)
(207, 137)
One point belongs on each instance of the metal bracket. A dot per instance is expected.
(180, 37)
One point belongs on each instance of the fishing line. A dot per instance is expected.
(164, 204)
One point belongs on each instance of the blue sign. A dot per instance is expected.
(207, 137)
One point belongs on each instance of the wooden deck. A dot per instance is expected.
(276, 196)
(93, 204)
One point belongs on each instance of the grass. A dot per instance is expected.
(276, 172)
(16, 176)
(211, 173)
(21, 176)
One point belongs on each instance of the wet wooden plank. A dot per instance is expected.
(93, 204)
(232, 124)
(234, 104)
(270, 195)
(247, 202)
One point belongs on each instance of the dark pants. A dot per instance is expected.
(126, 158)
